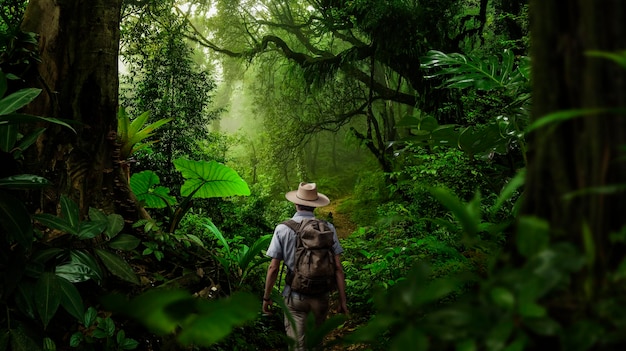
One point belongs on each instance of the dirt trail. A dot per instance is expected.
(342, 221)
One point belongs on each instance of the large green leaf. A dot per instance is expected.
(483, 73)
(509, 189)
(47, 297)
(115, 223)
(116, 265)
(533, 235)
(210, 179)
(45, 255)
(55, 222)
(130, 134)
(24, 181)
(213, 229)
(74, 272)
(123, 123)
(17, 118)
(17, 100)
(26, 141)
(91, 229)
(468, 220)
(484, 139)
(125, 242)
(143, 185)
(246, 257)
(8, 137)
(564, 115)
(89, 262)
(15, 219)
(150, 308)
(70, 211)
(216, 319)
(71, 299)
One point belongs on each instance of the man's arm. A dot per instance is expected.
(341, 285)
(270, 280)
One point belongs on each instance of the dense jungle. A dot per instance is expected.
(474, 152)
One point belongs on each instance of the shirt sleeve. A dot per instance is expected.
(275, 250)
(337, 249)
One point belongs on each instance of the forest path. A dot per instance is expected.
(345, 227)
(342, 222)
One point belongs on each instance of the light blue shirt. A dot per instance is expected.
(283, 244)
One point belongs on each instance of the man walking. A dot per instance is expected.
(283, 247)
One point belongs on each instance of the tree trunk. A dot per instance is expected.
(79, 45)
(580, 154)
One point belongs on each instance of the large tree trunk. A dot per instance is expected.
(582, 153)
(79, 45)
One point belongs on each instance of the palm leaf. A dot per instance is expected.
(494, 72)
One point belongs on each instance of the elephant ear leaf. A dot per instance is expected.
(210, 179)
(144, 185)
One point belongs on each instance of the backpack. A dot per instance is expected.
(314, 261)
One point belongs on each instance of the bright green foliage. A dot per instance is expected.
(202, 180)
(163, 78)
(193, 320)
(131, 134)
(503, 314)
(507, 76)
(210, 179)
(238, 262)
(504, 72)
(144, 186)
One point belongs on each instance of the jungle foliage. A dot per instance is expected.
(414, 117)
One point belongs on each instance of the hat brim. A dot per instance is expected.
(322, 200)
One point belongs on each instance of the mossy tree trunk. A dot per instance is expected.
(78, 72)
(581, 154)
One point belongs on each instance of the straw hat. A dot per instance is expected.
(307, 195)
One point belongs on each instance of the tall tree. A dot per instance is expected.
(78, 72)
(576, 168)
(163, 79)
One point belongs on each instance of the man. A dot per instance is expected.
(283, 247)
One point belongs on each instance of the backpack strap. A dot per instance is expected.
(293, 225)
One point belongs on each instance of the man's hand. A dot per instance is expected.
(343, 308)
(266, 306)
